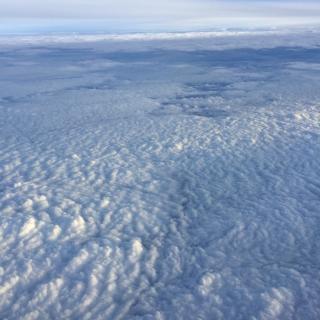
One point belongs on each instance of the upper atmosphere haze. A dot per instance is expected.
(18, 16)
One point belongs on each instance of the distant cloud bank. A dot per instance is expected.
(142, 15)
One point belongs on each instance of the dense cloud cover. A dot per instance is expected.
(160, 179)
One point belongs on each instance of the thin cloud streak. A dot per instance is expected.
(165, 14)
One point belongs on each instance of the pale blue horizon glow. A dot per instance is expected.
(143, 15)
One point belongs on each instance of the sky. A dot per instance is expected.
(147, 15)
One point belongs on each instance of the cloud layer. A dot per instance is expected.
(175, 14)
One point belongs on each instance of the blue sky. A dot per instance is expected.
(142, 15)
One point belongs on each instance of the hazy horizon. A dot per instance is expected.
(142, 16)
